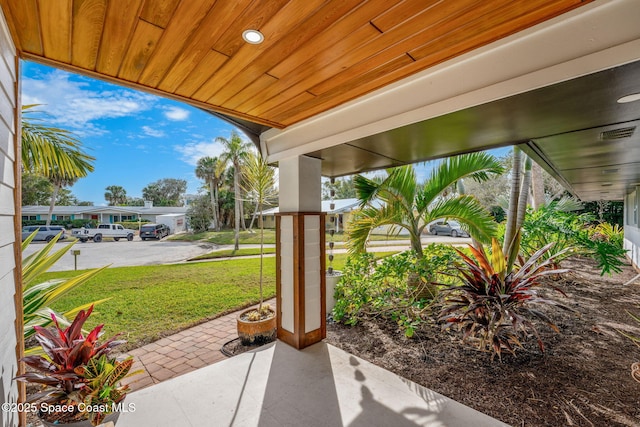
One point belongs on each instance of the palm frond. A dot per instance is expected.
(477, 166)
(468, 211)
(50, 151)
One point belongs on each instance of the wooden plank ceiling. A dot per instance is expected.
(316, 54)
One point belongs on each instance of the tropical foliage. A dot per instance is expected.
(51, 151)
(495, 305)
(200, 214)
(572, 234)
(38, 297)
(370, 288)
(102, 386)
(236, 152)
(260, 187)
(115, 195)
(211, 170)
(166, 192)
(73, 370)
(54, 153)
(398, 201)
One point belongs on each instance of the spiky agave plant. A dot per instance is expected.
(494, 306)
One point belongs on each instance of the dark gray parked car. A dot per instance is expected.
(450, 228)
(153, 231)
(45, 233)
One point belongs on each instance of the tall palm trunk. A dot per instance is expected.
(216, 207)
(212, 196)
(524, 193)
(261, 259)
(54, 196)
(537, 186)
(512, 214)
(253, 217)
(238, 200)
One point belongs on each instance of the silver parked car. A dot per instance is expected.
(450, 228)
(45, 233)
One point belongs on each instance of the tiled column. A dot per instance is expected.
(300, 253)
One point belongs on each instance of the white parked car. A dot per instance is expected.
(115, 231)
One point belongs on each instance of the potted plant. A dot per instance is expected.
(258, 326)
(79, 381)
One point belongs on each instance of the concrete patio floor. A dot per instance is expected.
(277, 385)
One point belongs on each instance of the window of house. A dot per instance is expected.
(63, 217)
(128, 218)
(29, 217)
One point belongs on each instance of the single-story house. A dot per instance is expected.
(101, 214)
(337, 215)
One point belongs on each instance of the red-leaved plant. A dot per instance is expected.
(494, 304)
(68, 353)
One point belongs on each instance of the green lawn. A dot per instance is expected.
(225, 253)
(227, 237)
(150, 302)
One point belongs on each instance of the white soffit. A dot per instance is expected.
(592, 38)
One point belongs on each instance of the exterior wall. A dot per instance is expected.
(631, 230)
(10, 295)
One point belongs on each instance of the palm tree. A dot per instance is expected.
(236, 152)
(58, 181)
(260, 186)
(210, 170)
(115, 195)
(406, 204)
(52, 151)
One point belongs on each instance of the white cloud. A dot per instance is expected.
(149, 131)
(192, 151)
(176, 114)
(74, 104)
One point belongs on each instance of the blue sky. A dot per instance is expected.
(136, 138)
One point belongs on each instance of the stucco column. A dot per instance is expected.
(300, 253)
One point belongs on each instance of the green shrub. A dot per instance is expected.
(382, 289)
(572, 234)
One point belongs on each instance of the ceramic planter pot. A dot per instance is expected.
(257, 332)
(112, 417)
(331, 281)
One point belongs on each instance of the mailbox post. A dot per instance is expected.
(75, 254)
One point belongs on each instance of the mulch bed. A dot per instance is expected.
(582, 379)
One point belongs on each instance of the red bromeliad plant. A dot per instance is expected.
(494, 304)
(68, 353)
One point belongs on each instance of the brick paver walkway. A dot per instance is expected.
(183, 352)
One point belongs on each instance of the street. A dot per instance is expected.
(150, 252)
(124, 253)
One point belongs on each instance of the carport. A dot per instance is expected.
(340, 87)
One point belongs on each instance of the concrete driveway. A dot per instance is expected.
(123, 253)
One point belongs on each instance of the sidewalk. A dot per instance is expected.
(183, 352)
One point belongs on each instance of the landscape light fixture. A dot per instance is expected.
(252, 36)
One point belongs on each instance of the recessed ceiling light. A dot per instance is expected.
(629, 98)
(253, 36)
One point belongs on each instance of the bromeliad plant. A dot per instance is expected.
(76, 369)
(494, 305)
